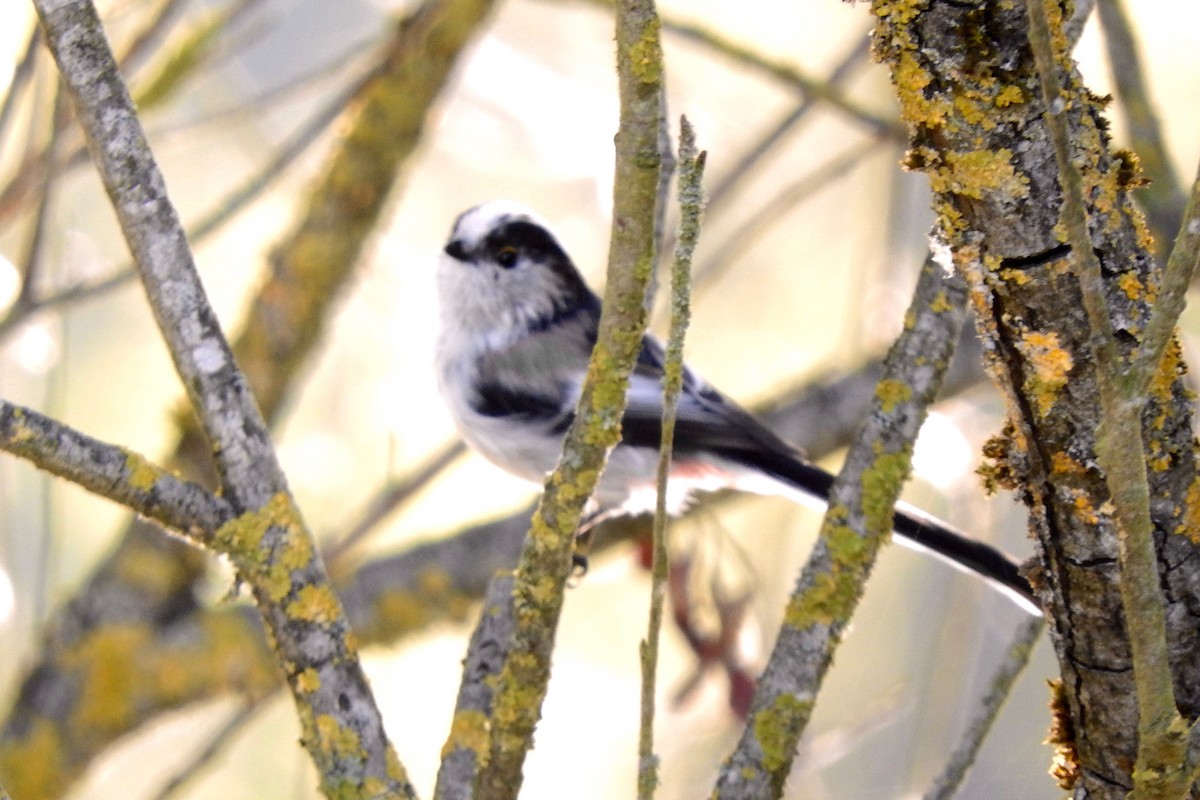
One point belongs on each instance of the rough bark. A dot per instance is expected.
(969, 88)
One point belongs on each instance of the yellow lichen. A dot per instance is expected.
(1085, 510)
(940, 303)
(891, 393)
(140, 473)
(1050, 365)
(108, 661)
(1170, 368)
(20, 431)
(1189, 525)
(32, 764)
(335, 738)
(153, 571)
(1010, 95)
(315, 604)
(469, 730)
(1063, 464)
(973, 173)
(1017, 277)
(308, 681)
(911, 79)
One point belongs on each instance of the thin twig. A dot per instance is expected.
(1001, 685)
(772, 209)
(218, 741)
(1163, 198)
(393, 495)
(220, 215)
(691, 202)
(22, 74)
(722, 189)
(35, 252)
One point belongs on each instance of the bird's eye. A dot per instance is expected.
(507, 257)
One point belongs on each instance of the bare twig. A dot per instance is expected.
(691, 202)
(22, 74)
(35, 252)
(856, 56)
(389, 497)
(224, 211)
(1163, 199)
(217, 742)
(1026, 637)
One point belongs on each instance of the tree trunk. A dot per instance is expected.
(969, 88)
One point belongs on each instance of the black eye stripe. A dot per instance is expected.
(526, 238)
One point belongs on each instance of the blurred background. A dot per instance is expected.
(808, 258)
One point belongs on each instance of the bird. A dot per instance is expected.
(517, 326)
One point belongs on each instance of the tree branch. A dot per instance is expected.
(114, 473)
(285, 322)
(546, 558)
(858, 522)
(1059, 337)
(691, 201)
(342, 727)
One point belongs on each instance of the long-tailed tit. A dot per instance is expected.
(518, 326)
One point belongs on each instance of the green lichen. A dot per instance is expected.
(469, 730)
(892, 393)
(140, 473)
(777, 729)
(645, 55)
(316, 604)
(33, 765)
(244, 540)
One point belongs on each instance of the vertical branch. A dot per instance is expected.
(546, 557)
(691, 201)
(1160, 728)
(1163, 198)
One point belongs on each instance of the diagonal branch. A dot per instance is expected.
(307, 269)
(857, 523)
(269, 542)
(113, 472)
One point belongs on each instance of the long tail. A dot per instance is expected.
(915, 528)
